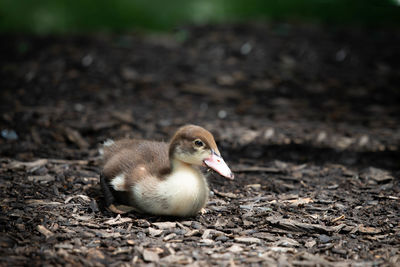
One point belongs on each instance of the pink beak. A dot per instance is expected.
(218, 164)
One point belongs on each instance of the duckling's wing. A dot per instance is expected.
(135, 158)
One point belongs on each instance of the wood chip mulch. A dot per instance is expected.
(306, 116)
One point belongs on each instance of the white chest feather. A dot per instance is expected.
(183, 193)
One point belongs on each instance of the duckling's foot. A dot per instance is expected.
(120, 209)
(203, 211)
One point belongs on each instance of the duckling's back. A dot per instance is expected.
(124, 156)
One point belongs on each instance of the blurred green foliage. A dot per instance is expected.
(43, 16)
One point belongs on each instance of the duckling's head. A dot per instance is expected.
(195, 145)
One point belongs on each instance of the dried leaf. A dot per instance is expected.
(82, 218)
(192, 233)
(256, 169)
(33, 202)
(297, 226)
(286, 242)
(368, 230)
(151, 256)
(177, 259)
(154, 232)
(169, 237)
(164, 225)
(310, 243)
(254, 186)
(248, 240)
(207, 242)
(28, 165)
(266, 236)
(118, 220)
(235, 248)
(206, 234)
(341, 217)
(85, 198)
(223, 194)
(41, 178)
(378, 175)
(299, 201)
(281, 249)
(122, 250)
(95, 254)
(220, 222)
(75, 137)
(64, 246)
(44, 231)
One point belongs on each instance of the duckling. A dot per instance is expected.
(161, 178)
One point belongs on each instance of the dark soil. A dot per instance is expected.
(308, 118)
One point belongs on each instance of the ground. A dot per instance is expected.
(306, 116)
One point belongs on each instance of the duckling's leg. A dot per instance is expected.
(120, 209)
(203, 211)
(110, 200)
(108, 196)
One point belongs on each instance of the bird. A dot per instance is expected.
(161, 178)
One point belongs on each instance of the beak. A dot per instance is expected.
(218, 164)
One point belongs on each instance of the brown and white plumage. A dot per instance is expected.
(162, 178)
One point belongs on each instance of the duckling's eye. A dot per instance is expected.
(198, 143)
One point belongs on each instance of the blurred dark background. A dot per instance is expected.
(43, 16)
(295, 80)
